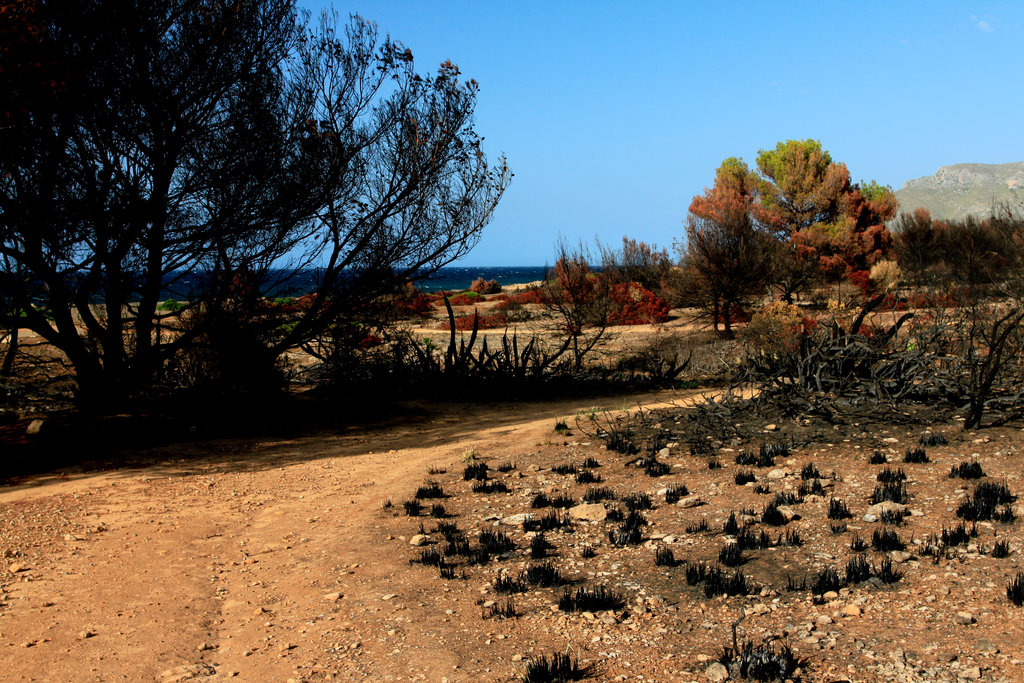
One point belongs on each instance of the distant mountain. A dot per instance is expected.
(965, 190)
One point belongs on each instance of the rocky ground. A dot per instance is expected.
(296, 559)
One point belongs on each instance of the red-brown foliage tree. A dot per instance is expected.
(727, 253)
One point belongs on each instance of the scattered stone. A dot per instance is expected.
(788, 513)
(900, 556)
(986, 645)
(717, 673)
(419, 540)
(964, 618)
(517, 520)
(331, 597)
(87, 633)
(887, 507)
(690, 502)
(186, 672)
(389, 596)
(851, 611)
(15, 568)
(34, 427)
(776, 474)
(589, 512)
(971, 672)
(771, 428)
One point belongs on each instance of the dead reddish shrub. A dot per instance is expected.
(465, 322)
(636, 305)
(481, 286)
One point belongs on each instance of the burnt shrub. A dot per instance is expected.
(886, 540)
(1001, 549)
(637, 501)
(501, 610)
(969, 469)
(430, 490)
(539, 547)
(787, 498)
(857, 569)
(893, 491)
(504, 585)
(563, 501)
(559, 667)
(476, 470)
(826, 580)
(857, 544)
(991, 500)
(565, 468)
(892, 516)
(889, 475)
(719, 583)
(731, 526)
(540, 500)
(877, 458)
(698, 527)
(674, 493)
(1015, 589)
(590, 462)
(812, 487)
(496, 542)
(587, 477)
(837, 529)
(543, 575)
(931, 439)
(487, 487)
(837, 509)
(744, 477)
(438, 511)
(507, 466)
(596, 494)
(915, 456)
(731, 555)
(772, 515)
(664, 557)
(958, 535)
(809, 471)
(412, 507)
(714, 464)
(590, 600)
(887, 573)
(761, 662)
(696, 572)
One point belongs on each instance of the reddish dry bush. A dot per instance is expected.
(413, 304)
(636, 305)
(481, 286)
(530, 296)
(465, 322)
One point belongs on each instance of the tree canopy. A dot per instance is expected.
(208, 148)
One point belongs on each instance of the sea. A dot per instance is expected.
(454, 278)
(450, 278)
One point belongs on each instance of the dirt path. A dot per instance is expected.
(263, 560)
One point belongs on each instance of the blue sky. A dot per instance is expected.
(613, 117)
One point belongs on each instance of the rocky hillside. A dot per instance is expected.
(965, 189)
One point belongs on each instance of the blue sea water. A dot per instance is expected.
(451, 278)
(454, 278)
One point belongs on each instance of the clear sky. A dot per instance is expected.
(614, 115)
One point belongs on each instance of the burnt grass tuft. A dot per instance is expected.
(761, 662)
(744, 477)
(590, 600)
(931, 439)
(557, 668)
(477, 471)
(916, 456)
(885, 540)
(664, 557)
(877, 458)
(1015, 589)
(991, 500)
(893, 491)
(674, 493)
(596, 494)
(837, 509)
(969, 469)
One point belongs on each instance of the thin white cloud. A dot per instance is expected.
(981, 24)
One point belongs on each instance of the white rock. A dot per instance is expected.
(717, 673)
(690, 501)
(589, 512)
